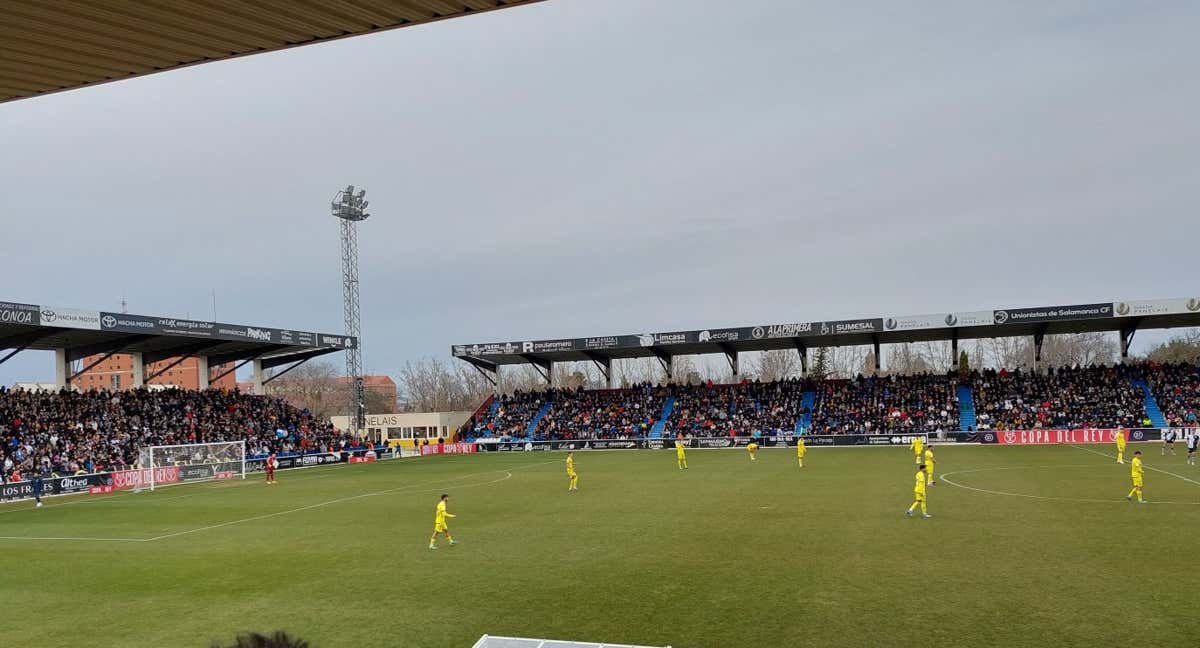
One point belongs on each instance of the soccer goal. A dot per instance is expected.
(172, 464)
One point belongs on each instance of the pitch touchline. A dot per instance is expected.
(1165, 472)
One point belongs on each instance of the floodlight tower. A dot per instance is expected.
(351, 208)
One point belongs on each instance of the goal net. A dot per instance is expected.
(172, 464)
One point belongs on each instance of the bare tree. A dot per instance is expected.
(432, 385)
(639, 370)
(1184, 347)
(314, 386)
(776, 365)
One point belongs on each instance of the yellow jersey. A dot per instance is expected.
(919, 484)
(752, 447)
(440, 517)
(679, 448)
(800, 449)
(929, 456)
(1120, 439)
(917, 445)
(570, 465)
(1135, 470)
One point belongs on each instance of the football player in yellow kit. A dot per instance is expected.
(800, 451)
(572, 476)
(439, 523)
(1136, 473)
(680, 455)
(919, 494)
(918, 445)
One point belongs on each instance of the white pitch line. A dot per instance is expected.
(507, 475)
(1165, 472)
(946, 478)
(91, 539)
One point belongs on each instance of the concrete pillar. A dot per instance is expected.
(258, 378)
(139, 370)
(202, 372)
(62, 368)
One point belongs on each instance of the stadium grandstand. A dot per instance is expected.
(1121, 396)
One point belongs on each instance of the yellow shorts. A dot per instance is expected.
(929, 469)
(918, 497)
(1137, 482)
(439, 528)
(572, 474)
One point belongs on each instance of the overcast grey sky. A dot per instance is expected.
(585, 167)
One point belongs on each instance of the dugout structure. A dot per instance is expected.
(1123, 317)
(74, 334)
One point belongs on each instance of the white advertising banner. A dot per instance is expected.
(938, 321)
(70, 318)
(1142, 307)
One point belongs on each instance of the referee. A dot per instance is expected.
(39, 486)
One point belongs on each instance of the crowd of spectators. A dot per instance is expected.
(744, 409)
(1068, 397)
(609, 414)
(923, 403)
(81, 432)
(1176, 388)
(512, 414)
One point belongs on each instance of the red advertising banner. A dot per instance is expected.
(450, 448)
(367, 458)
(100, 490)
(1047, 437)
(141, 477)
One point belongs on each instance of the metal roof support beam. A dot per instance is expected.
(604, 364)
(1038, 338)
(1127, 334)
(185, 351)
(489, 370)
(230, 370)
(802, 351)
(279, 361)
(878, 358)
(19, 343)
(666, 361)
(544, 367)
(731, 356)
(88, 368)
(244, 354)
(281, 373)
(23, 341)
(109, 347)
(167, 368)
(954, 349)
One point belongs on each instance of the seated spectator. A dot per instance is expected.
(924, 403)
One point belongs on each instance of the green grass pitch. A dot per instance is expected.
(1028, 546)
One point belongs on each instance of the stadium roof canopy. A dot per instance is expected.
(1125, 317)
(82, 333)
(51, 46)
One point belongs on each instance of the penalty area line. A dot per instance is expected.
(946, 478)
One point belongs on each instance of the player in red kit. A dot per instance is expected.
(272, 462)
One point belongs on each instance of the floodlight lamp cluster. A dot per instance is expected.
(351, 206)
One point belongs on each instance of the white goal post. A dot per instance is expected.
(172, 464)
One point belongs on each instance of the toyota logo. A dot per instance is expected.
(108, 321)
(49, 315)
